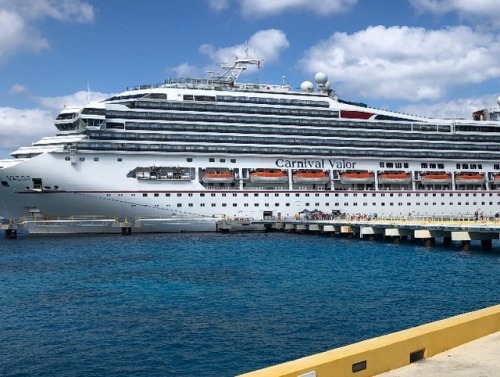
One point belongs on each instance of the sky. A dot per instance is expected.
(437, 58)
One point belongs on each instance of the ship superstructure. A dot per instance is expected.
(191, 151)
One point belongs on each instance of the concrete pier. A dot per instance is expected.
(409, 352)
(428, 232)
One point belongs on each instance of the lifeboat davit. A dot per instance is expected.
(436, 178)
(311, 177)
(268, 176)
(394, 178)
(357, 177)
(218, 177)
(469, 178)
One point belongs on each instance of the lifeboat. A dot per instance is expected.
(215, 176)
(394, 178)
(469, 178)
(268, 176)
(496, 179)
(357, 177)
(311, 177)
(435, 178)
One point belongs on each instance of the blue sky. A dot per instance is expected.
(429, 57)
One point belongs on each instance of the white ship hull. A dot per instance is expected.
(188, 206)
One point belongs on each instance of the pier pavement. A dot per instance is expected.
(479, 358)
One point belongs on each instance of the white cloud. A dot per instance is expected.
(22, 127)
(405, 63)
(186, 70)
(482, 10)
(264, 44)
(218, 5)
(263, 8)
(18, 22)
(460, 108)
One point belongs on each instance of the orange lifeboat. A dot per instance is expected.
(216, 176)
(357, 177)
(311, 177)
(394, 178)
(268, 176)
(469, 178)
(435, 178)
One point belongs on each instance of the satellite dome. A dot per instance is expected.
(321, 78)
(307, 86)
(327, 86)
(498, 100)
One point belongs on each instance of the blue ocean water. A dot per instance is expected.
(218, 304)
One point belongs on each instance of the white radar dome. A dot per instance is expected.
(498, 100)
(307, 86)
(321, 78)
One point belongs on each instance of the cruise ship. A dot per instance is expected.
(183, 154)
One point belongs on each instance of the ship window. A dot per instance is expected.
(423, 165)
(5, 184)
(82, 158)
(202, 204)
(144, 194)
(382, 164)
(156, 194)
(222, 160)
(465, 166)
(67, 158)
(119, 159)
(235, 204)
(211, 159)
(256, 204)
(96, 158)
(201, 195)
(167, 194)
(189, 159)
(406, 165)
(213, 204)
(440, 166)
(179, 204)
(245, 205)
(233, 161)
(179, 194)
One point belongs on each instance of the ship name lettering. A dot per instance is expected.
(18, 177)
(342, 164)
(314, 164)
(300, 164)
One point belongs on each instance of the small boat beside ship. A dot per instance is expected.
(394, 178)
(319, 177)
(469, 178)
(218, 176)
(268, 176)
(435, 178)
